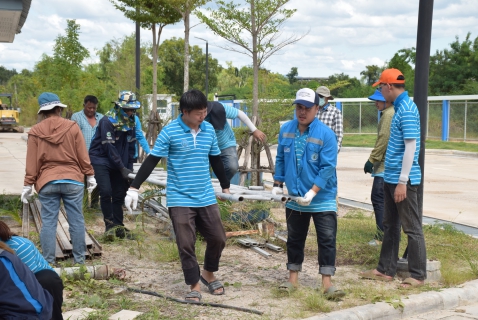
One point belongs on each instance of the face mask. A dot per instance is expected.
(321, 101)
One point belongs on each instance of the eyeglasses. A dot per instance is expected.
(380, 86)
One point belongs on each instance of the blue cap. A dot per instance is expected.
(377, 96)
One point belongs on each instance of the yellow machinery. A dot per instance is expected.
(9, 116)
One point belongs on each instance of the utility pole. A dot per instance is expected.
(420, 94)
(207, 65)
(138, 55)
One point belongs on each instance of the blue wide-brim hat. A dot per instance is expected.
(48, 101)
(377, 96)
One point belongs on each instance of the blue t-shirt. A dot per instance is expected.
(226, 137)
(28, 253)
(189, 180)
(405, 125)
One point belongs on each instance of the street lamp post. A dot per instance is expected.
(207, 64)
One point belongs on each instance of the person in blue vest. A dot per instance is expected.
(21, 296)
(112, 153)
(402, 176)
(306, 162)
(190, 145)
(32, 258)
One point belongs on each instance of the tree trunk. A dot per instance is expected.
(154, 105)
(186, 49)
(255, 152)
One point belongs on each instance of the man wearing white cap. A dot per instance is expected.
(57, 161)
(330, 115)
(306, 161)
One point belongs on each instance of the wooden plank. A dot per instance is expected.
(240, 233)
(65, 244)
(64, 223)
(26, 221)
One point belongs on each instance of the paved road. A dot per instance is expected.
(450, 192)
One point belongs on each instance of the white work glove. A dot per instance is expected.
(131, 197)
(277, 190)
(90, 183)
(307, 198)
(27, 193)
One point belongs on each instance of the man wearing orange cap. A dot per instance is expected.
(402, 176)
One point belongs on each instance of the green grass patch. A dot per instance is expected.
(11, 206)
(368, 141)
(456, 251)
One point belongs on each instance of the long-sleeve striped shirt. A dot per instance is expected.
(28, 253)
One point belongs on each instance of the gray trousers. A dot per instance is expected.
(405, 212)
(207, 221)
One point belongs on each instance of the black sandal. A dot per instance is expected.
(213, 286)
(193, 295)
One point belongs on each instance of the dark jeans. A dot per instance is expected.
(51, 282)
(404, 212)
(297, 229)
(207, 221)
(378, 203)
(112, 193)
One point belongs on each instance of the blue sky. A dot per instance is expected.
(344, 36)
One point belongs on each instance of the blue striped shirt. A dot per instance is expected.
(226, 137)
(87, 130)
(322, 206)
(405, 125)
(28, 253)
(189, 180)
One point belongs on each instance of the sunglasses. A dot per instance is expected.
(380, 86)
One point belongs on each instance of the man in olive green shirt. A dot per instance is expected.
(376, 161)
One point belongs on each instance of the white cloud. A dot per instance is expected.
(344, 36)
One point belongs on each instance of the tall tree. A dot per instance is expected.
(371, 74)
(262, 21)
(292, 75)
(171, 58)
(152, 15)
(185, 8)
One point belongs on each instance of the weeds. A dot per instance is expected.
(11, 206)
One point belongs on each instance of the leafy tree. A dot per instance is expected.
(292, 75)
(151, 14)
(262, 21)
(184, 8)
(171, 57)
(452, 70)
(401, 62)
(371, 74)
(6, 74)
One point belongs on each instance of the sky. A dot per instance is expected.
(341, 36)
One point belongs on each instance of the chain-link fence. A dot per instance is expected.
(360, 117)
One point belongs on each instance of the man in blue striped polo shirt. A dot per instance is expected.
(306, 161)
(402, 176)
(190, 145)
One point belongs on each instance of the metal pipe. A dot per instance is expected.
(99, 272)
(273, 247)
(230, 197)
(262, 252)
(244, 242)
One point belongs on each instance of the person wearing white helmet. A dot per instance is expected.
(375, 164)
(112, 154)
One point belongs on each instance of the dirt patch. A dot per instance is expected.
(251, 280)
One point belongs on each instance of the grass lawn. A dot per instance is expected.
(368, 140)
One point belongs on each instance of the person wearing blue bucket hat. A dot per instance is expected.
(56, 163)
(112, 154)
(375, 164)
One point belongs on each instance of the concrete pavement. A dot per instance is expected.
(451, 178)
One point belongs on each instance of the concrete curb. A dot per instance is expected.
(414, 305)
